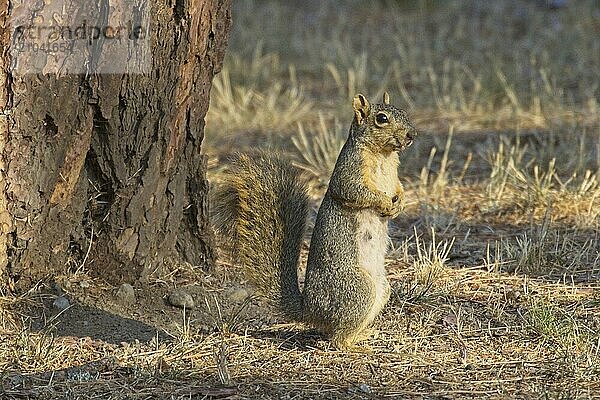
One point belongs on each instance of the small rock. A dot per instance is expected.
(450, 320)
(80, 375)
(365, 388)
(61, 303)
(126, 294)
(238, 295)
(84, 284)
(180, 298)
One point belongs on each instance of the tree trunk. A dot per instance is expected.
(100, 165)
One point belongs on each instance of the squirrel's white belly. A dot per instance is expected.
(372, 246)
(372, 242)
(373, 239)
(372, 228)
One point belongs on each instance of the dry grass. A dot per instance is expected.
(484, 335)
(495, 264)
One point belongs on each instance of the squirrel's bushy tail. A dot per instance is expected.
(261, 205)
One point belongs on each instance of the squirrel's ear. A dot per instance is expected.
(361, 108)
(386, 98)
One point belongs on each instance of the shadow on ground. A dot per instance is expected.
(86, 321)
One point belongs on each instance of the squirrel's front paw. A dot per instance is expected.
(391, 207)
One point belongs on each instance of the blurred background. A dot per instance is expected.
(477, 65)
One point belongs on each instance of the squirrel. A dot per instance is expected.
(262, 205)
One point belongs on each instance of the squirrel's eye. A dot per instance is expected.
(381, 118)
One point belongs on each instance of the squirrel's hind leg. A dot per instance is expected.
(356, 328)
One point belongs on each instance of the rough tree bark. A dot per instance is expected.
(109, 159)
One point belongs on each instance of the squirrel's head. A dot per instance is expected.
(382, 126)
